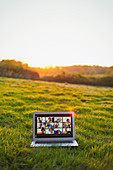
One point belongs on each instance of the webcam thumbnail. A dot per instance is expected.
(53, 125)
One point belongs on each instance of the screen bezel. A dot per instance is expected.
(49, 137)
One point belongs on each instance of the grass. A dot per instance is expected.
(93, 107)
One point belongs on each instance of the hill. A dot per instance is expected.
(75, 69)
(93, 107)
(88, 75)
(12, 68)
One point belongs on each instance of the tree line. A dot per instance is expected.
(105, 80)
(75, 69)
(16, 69)
(77, 74)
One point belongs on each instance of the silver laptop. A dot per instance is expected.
(53, 129)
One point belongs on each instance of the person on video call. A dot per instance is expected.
(40, 121)
(51, 131)
(56, 125)
(66, 131)
(58, 120)
(69, 124)
(58, 132)
(49, 123)
(43, 130)
(64, 124)
(40, 125)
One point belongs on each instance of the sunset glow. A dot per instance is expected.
(57, 33)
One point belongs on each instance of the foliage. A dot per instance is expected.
(93, 107)
(106, 80)
(79, 74)
(88, 75)
(12, 68)
(109, 71)
(75, 69)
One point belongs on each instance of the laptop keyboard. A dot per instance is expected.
(55, 142)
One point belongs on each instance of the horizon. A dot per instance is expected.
(47, 67)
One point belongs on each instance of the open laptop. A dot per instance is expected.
(53, 129)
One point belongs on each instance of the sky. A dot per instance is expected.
(57, 32)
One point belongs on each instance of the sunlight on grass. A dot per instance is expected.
(93, 107)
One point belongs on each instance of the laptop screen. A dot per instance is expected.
(53, 126)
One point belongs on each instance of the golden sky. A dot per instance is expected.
(57, 32)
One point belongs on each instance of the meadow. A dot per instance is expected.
(93, 107)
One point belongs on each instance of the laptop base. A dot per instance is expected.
(63, 144)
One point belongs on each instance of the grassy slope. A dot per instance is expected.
(93, 109)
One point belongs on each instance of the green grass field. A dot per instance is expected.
(93, 107)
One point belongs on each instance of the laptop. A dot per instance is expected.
(53, 129)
